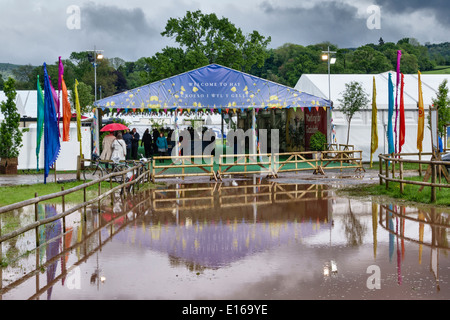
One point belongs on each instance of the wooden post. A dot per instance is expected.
(401, 177)
(433, 181)
(110, 187)
(393, 165)
(78, 167)
(84, 201)
(386, 182)
(99, 194)
(36, 218)
(420, 165)
(380, 165)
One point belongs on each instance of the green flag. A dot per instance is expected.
(40, 120)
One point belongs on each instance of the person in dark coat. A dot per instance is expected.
(155, 133)
(147, 143)
(134, 144)
(127, 138)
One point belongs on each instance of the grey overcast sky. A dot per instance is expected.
(37, 31)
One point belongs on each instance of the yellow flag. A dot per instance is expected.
(78, 109)
(421, 117)
(374, 138)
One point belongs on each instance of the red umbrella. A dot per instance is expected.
(114, 127)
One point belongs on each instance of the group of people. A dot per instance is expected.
(117, 146)
(155, 143)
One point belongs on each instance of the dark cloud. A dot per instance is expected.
(335, 22)
(119, 31)
(115, 21)
(439, 8)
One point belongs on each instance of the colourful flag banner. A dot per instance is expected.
(374, 135)
(421, 117)
(78, 110)
(40, 120)
(390, 133)
(399, 56)
(401, 138)
(51, 131)
(67, 113)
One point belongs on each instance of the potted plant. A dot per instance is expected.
(317, 142)
(10, 134)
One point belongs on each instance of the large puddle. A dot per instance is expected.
(250, 239)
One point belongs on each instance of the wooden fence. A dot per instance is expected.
(434, 172)
(63, 193)
(178, 166)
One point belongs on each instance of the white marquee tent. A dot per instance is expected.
(360, 130)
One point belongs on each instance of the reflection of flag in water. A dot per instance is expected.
(374, 227)
(52, 231)
(67, 243)
(399, 263)
(421, 217)
(391, 234)
(51, 130)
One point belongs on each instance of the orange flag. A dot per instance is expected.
(67, 113)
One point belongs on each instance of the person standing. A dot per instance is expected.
(107, 147)
(119, 148)
(155, 134)
(147, 143)
(134, 144)
(161, 143)
(127, 138)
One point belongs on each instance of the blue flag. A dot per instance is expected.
(390, 132)
(51, 131)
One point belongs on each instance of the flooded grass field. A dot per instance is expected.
(249, 239)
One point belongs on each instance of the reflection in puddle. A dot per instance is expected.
(248, 240)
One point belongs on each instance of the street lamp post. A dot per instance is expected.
(97, 56)
(326, 55)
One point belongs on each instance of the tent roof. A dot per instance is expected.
(317, 84)
(211, 87)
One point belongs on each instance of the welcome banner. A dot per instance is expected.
(211, 87)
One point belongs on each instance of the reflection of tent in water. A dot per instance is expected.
(218, 236)
(213, 244)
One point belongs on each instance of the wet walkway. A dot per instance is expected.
(241, 239)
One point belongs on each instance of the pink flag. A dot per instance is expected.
(56, 101)
(399, 56)
(60, 74)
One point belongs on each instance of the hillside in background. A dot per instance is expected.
(6, 70)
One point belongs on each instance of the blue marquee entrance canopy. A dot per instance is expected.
(211, 87)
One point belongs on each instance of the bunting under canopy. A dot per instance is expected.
(211, 87)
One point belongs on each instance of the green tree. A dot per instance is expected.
(10, 134)
(442, 102)
(368, 60)
(218, 40)
(2, 82)
(85, 96)
(354, 98)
